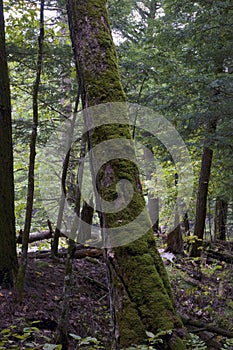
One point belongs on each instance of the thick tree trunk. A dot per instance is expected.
(201, 201)
(8, 257)
(140, 291)
(86, 216)
(175, 243)
(153, 208)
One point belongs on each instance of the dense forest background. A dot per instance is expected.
(175, 58)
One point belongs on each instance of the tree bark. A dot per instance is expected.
(220, 219)
(141, 296)
(8, 257)
(86, 216)
(175, 243)
(153, 202)
(35, 236)
(186, 224)
(201, 203)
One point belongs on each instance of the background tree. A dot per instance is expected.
(57, 91)
(185, 58)
(8, 257)
(32, 158)
(220, 219)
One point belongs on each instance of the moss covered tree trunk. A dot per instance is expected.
(8, 257)
(141, 296)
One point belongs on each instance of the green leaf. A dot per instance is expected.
(88, 340)
(150, 335)
(6, 331)
(22, 337)
(30, 329)
(75, 336)
(52, 347)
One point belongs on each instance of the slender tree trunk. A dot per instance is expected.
(32, 156)
(141, 296)
(153, 202)
(62, 335)
(65, 85)
(186, 224)
(8, 257)
(62, 331)
(206, 162)
(57, 233)
(220, 219)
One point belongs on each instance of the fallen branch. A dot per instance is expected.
(94, 281)
(210, 341)
(220, 255)
(208, 327)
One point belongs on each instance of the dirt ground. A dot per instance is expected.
(42, 301)
(203, 295)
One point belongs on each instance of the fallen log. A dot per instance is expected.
(38, 236)
(79, 253)
(209, 339)
(219, 250)
(225, 255)
(35, 236)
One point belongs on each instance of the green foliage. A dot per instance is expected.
(52, 347)
(57, 91)
(176, 58)
(32, 338)
(169, 56)
(10, 338)
(87, 342)
(195, 343)
(228, 345)
(158, 337)
(153, 340)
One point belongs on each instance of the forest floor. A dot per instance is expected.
(203, 290)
